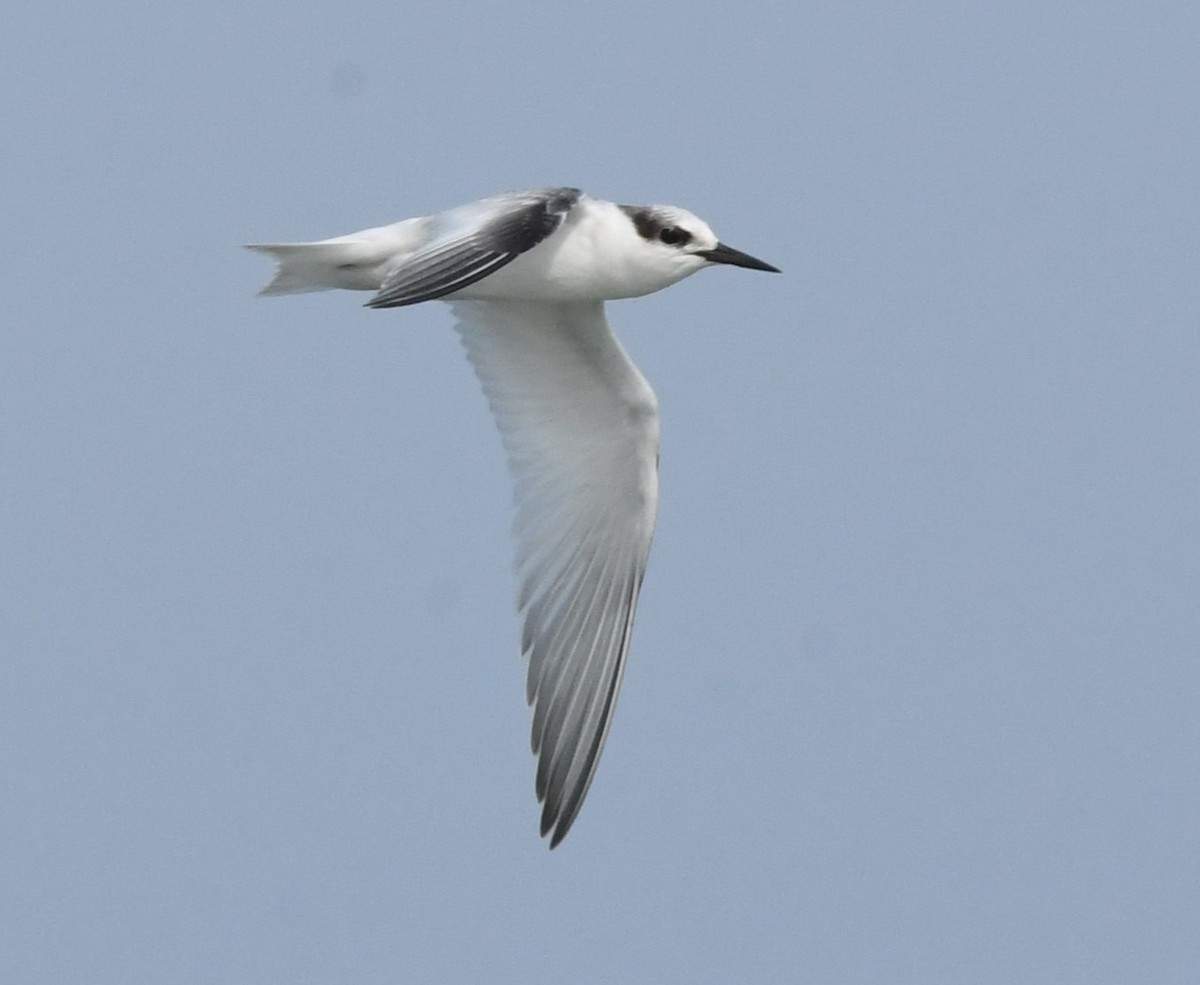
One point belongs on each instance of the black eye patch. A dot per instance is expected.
(674, 236)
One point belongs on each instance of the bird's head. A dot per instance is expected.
(678, 243)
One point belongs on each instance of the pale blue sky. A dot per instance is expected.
(913, 693)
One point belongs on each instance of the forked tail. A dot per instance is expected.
(305, 267)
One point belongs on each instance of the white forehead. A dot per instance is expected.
(688, 220)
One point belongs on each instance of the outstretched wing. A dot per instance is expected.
(580, 427)
(472, 241)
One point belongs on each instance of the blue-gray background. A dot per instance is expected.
(913, 695)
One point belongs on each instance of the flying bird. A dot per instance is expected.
(526, 274)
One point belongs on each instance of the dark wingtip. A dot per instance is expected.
(552, 820)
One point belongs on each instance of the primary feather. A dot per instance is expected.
(580, 428)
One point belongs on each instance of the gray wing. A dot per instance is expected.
(473, 241)
(580, 427)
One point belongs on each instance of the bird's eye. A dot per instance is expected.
(674, 236)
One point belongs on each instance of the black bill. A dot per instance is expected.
(727, 254)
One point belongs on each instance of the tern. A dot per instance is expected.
(526, 274)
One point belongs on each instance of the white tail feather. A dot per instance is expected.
(358, 262)
(293, 275)
(305, 267)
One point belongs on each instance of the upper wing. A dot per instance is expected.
(580, 426)
(475, 240)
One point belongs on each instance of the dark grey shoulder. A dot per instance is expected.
(534, 215)
(474, 241)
